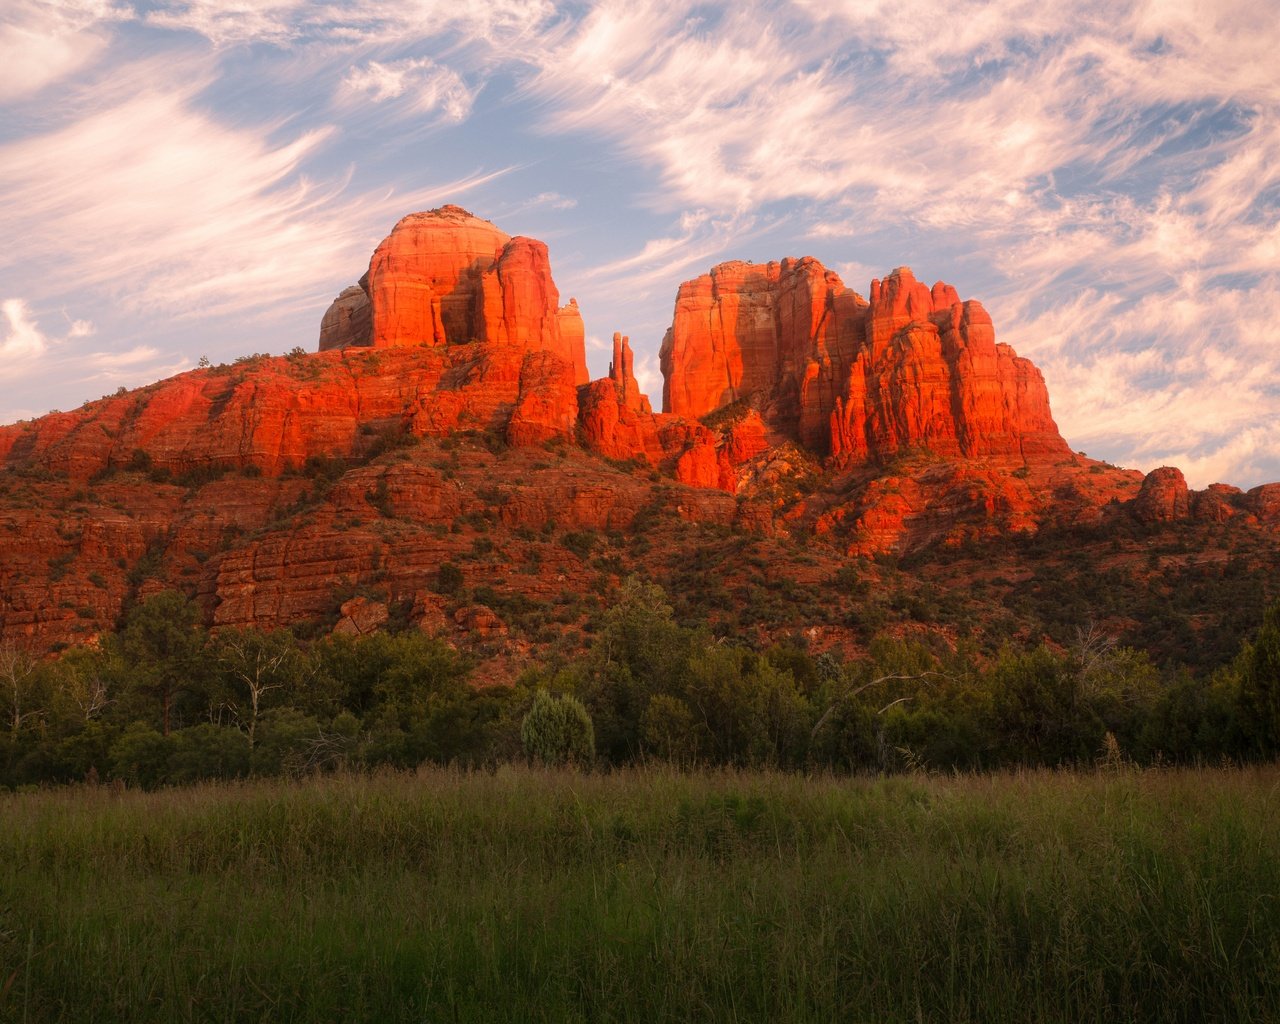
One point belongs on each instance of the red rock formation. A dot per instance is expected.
(348, 320)
(361, 616)
(622, 375)
(618, 422)
(913, 368)
(746, 439)
(1216, 503)
(937, 379)
(456, 333)
(1163, 498)
(783, 330)
(1264, 502)
(274, 414)
(446, 277)
(547, 406)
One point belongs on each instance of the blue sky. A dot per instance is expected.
(200, 177)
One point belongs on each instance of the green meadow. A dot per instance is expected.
(647, 895)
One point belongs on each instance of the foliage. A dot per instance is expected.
(1258, 669)
(558, 731)
(164, 702)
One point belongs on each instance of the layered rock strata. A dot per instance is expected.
(446, 277)
(913, 367)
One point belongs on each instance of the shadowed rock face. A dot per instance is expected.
(912, 368)
(348, 320)
(446, 277)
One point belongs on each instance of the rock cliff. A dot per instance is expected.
(446, 277)
(448, 417)
(913, 367)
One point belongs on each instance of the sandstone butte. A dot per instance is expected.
(792, 407)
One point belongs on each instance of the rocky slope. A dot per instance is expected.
(447, 418)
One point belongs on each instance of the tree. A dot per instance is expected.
(257, 664)
(1258, 668)
(163, 639)
(558, 731)
(18, 677)
(640, 651)
(1040, 713)
(669, 730)
(83, 685)
(749, 711)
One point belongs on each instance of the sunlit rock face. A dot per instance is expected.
(447, 277)
(914, 367)
(1164, 496)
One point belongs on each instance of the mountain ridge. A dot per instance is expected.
(794, 411)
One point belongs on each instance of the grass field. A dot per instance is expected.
(648, 896)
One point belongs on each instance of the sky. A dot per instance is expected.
(187, 178)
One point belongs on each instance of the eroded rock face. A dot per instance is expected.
(913, 368)
(446, 277)
(272, 415)
(349, 319)
(263, 485)
(786, 330)
(547, 405)
(618, 422)
(1263, 501)
(1216, 503)
(1163, 498)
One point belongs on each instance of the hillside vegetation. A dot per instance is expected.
(165, 702)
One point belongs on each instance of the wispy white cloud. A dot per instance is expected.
(226, 22)
(424, 86)
(1112, 167)
(23, 340)
(553, 200)
(44, 41)
(701, 237)
(36, 354)
(171, 208)
(371, 22)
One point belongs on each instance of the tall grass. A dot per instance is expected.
(648, 896)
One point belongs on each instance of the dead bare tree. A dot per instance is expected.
(260, 663)
(853, 692)
(87, 689)
(17, 672)
(1093, 651)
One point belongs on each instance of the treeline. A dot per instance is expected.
(163, 701)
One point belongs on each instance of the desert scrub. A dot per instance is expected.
(644, 895)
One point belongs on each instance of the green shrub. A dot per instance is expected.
(558, 731)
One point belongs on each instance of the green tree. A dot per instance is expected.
(257, 664)
(640, 651)
(163, 640)
(558, 731)
(669, 729)
(207, 751)
(140, 756)
(751, 711)
(1040, 714)
(1258, 669)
